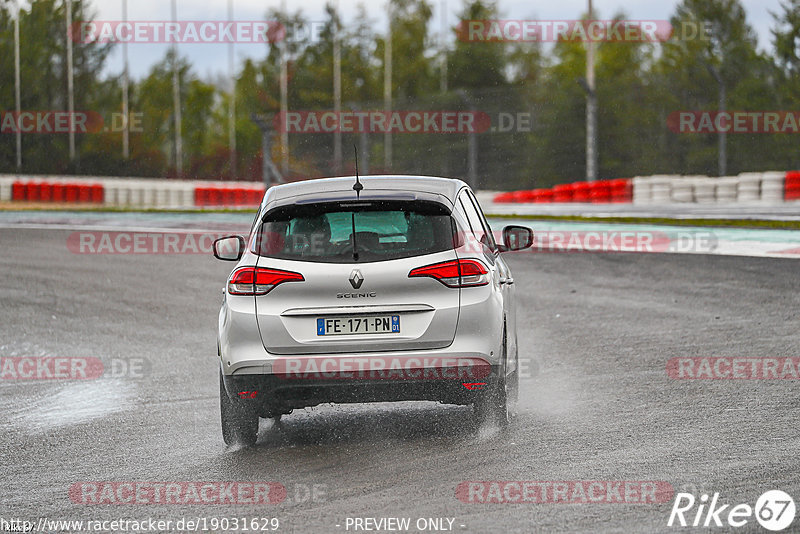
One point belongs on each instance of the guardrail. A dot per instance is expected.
(764, 187)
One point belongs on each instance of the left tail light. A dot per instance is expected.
(259, 280)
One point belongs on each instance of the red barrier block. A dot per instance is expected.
(84, 193)
(532, 195)
(600, 192)
(46, 192)
(201, 196)
(563, 192)
(791, 185)
(228, 196)
(97, 193)
(239, 196)
(543, 196)
(791, 190)
(519, 196)
(254, 197)
(18, 191)
(581, 192)
(58, 192)
(72, 192)
(504, 197)
(32, 191)
(621, 190)
(214, 196)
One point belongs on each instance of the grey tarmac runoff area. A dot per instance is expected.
(600, 329)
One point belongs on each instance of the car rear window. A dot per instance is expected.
(384, 230)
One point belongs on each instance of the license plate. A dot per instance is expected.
(372, 324)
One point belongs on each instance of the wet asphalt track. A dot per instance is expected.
(600, 326)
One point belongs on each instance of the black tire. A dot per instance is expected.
(498, 404)
(239, 426)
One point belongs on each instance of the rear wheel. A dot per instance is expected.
(239, 425)
(498, 404)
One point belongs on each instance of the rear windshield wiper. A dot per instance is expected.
(355, 246)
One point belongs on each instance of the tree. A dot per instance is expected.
(43, 76)
(476, 64)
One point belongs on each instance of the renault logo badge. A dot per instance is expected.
(356, 279)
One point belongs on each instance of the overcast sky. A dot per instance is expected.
(210, 60)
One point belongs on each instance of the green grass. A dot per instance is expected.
(662, 221)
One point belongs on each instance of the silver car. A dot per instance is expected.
(383, 288)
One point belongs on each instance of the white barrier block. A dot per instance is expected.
(682, 189)
(136, 191)
(772, 185)
(749, 187)
(660, 189)
(642, 190)
(148, 195)
(727, 187)
(173, 195)
(162, 195)
(705, 189)
(187, 196)
(5, 189)
(111, 194)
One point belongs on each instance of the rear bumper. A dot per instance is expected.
(288, 388)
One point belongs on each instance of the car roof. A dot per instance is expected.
(324, 187)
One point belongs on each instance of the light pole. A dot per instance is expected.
(232, 108)
(125, 83)
(284, 90)
(717, 49)
(18, 103)
(591, 109)
(176, 100)
(70, 83)
(337, 91)
(387, 91)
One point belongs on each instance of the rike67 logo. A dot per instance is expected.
(774, 511)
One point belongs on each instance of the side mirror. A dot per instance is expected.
(517, 237)
(229, 248)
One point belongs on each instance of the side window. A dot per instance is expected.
(474, 219)
(460, 217)
(486, 228)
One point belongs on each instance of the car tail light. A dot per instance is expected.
(259, 280)
(455, 273)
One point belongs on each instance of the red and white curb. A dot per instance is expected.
(129, 192)
(772, 187)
